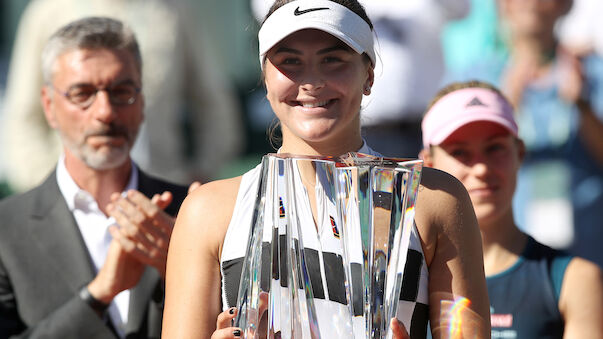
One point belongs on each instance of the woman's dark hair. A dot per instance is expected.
(352, 5)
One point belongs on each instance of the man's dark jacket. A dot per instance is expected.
(44, 263)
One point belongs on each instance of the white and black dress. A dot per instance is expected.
(327, 284)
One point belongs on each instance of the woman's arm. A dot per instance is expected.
(193, 281)
(581, 300)
(458, 297)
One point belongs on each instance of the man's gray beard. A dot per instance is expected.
(103, 160)
(99, 160)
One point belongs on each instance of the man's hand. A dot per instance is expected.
(519, 73)
(144, 228)
(194, 186)
(119, 272)
(572, 80)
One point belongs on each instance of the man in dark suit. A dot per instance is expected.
(83, 255)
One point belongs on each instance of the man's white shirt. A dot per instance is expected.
(94, 227)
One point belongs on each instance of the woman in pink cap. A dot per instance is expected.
(317, 58)
(534, 291)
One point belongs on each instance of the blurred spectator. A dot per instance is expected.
(534, 291)
(234, 29)
(466, 40)
(559, 101)
(83, 254)
(192, 125)
(408, 71)
(9, 13)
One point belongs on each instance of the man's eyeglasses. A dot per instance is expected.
(84, 95)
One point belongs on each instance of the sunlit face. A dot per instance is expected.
(102, 134)
(485, 157)
(315, 85)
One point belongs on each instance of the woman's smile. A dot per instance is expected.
(314, 103)
(315, 85)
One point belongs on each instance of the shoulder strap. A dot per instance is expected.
(556, 263)
(557, 266)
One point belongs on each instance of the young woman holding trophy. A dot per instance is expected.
(535, 292)
(317, 58)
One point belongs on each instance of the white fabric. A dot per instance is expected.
(94, 227)
(323, 15)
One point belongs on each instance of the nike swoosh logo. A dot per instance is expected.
(298, 12)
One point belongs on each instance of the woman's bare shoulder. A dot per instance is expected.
(581, 299)
(443, 206)
(440, 193)
(207, 210)
(217, 192)
(451, 243)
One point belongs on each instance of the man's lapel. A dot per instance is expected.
(54, 230)
(140, 298)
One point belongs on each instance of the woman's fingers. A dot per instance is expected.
(225, 318)
(227, 333)
(224, 327)
(263, 303)
(398, 330)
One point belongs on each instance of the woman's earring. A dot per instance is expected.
(367, 90)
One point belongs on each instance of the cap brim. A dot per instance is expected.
(452, 127)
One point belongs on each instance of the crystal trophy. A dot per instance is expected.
(327, 246)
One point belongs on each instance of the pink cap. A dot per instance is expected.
(461, 107)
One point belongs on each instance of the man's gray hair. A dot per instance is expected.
(89, 33)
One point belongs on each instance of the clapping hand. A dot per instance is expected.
(144, 228)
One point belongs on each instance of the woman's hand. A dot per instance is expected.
(398, 330)
(224, 328)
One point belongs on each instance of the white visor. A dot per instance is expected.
(324, 15)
